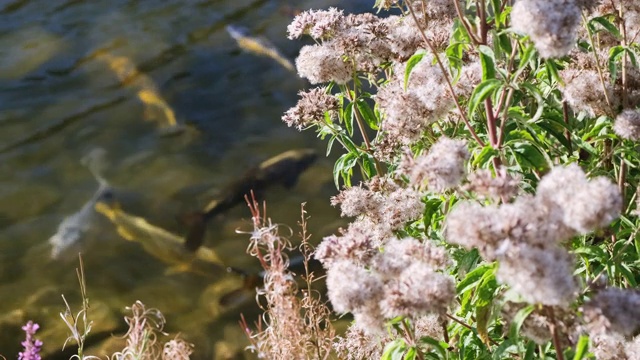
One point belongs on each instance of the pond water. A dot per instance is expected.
(72, 74)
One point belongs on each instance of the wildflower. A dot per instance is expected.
(540, 275)
(359, 243)
(441, 168)
(614, 311)
(627, 124)
(585, 204)
(31, 346)
(356, 200)
(538, 324)
(351, 287)
(417, 290)
(608, 346)
(400, 207)
(485, 185)
(425, 100)
(359, 344)
(177, 349)
(430, 325)
(552, 24)
(320, 24)
(323, 63)
(471, 225)
(583, 91)
(404, 37)
(398, 253)
(311, 108)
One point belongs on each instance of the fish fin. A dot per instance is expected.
(197, 226)
(177, 269)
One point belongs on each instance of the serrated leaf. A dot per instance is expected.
(484, 90)
(368, 114)
(368, 165)
(487, 61)
(529, 156)
(486, 154)
(486, 289)
(473, 277)
(411, 63)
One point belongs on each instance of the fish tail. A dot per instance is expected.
(196, 223)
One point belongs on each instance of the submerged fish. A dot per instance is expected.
(156, 108)
(258, 46)
(281, 169)
(72, 228)
(161, 243)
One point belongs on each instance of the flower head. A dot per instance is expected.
(31, 346)
(311, 108)
(627, 124)
(551, 24)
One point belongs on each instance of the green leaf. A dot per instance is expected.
(518, 320)
(615, 53)
(486, 289)
(431, 207)
(531, 351)
(552, 70)
(332, 139)
(348, 121)
(411, 63)
(529, 156)
(343, 168)
(486, 154)
(438, 346)
(368, 165)
(484, 90)
(411, 353)
(473, 277)
(581, 347)
(605, 23)
(367, 114)
(487, 60)
(535, 92)
(483, 314)
(628, 274)
(394, 350)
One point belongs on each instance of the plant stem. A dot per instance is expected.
(363, 132)
(448, 80)
(553, 327)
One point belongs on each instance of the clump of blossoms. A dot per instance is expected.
(552, 25)
(613, 321)
(31, 346)
(525, 236)
(494, 145)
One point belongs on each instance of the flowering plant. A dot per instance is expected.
(495, 142)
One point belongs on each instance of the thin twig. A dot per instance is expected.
(448, 80)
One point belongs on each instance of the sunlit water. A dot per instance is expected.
(58, 101)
